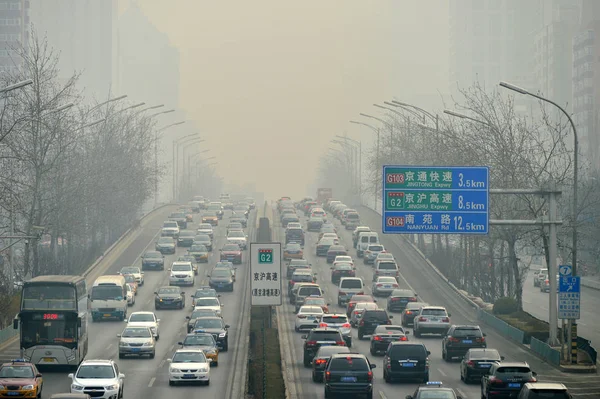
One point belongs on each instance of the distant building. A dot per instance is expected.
(81, 32)
(14, 22)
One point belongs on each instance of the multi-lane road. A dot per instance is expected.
(148, 378)
(416, 274)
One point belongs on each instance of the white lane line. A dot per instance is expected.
(171, 348)
(461, 393)
(162, 363)
(442, 372)
(151, 382)
(382, 395)
(108, 347)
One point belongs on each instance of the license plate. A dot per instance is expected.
(181, 280)
(326, 344)
(189, 376)
(220, 285)
(135, 349)
(348, 379)
(48, 360)
(408, 365)
(485, 366)
(387, 286)
(514, 385)
(467, 341)
(106, 314)
(14, 393)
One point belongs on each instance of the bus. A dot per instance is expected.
(53, 320)
(109, 298)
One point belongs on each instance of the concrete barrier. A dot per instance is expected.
(590, 283)
(501, 326)
(545, 351)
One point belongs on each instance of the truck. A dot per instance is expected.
(323, 194)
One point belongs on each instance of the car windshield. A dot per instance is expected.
(366, 305)
(415, 305)
(152, 255)
(168, 290)
(314, 301)
(385, 255)
(221, 272)
(548, 394)
(326, 241)
(293, 247)
(302, 277)
(206, 340)
(432, 393)
(349, 364)
(202, 313)
(130, 270)
(231, 247)
(137, 317)
(205, 293)
(361, 298)
(198, 248)
(205, 226)
(352, 216)
(136, 333)
(308, 291)
(178, 215)
(99, 371)
(165, 240)
(236, 234)
(387, 266)
(189, 357)
(208, 323)
(327, 351)
(16, 372)
(202, 238)
(337, 248)
(207, 302)
(186, 258)
(343, 266)
(335, 319)
(235, 225)
(351, 284)
(376, 315)
(513, 370)
(187, 233)
(129, 278)
(181, 268)
(170, 224)
(324, 336)
(387, 280)
(392, 329)
(298, 262)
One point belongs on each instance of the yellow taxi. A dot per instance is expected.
(293, 251)
(130, 279)
(20, 379)
(213, 220)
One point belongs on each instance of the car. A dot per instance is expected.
(239, 219)
(204, 292)
(199, 252)
(383, 335)
(137, 340)
(307, 317)
(204, 239)
(477, 362)
(355, 299)
(384, 286)
(294, 234)
(296, 264)
(130, 296)
(191, 259)
(293, 251)
(165, 245)
(544, 283)
(209, 303)
(314, 223)
(132, 282)
(221, 279)
(349, 373)
(206, 229)
(214, 209)
(321, 358)
(304, 290)
(358, 310)
(384, 256)
(461, 338)
(334, 251)
(400, 298)
(293, 225)
(153, 260)
(536, 276)
(314, 300)
(332, 235)
(194, 206)
(289, 218)
(92, 374)
(238, 237)
(186, 238)
(318, 212)
(431, 320)
(371, 253)
(506, 379)
(348, 287)
(343, 258)
(386, 268)
(205, 342)
(169, 297)
(136, 271)
(20, 379)
(433, 389)
(234, 226)
(340, 270)
(406, 360)
(170, 229)
(410, 311)
(181, 273)
(371, 318)
(323, 246)
(226, 265)
(318, 337)
(180, 218)
(351, 220)
(216, 326)
(189, 365)
(232, 253)
(198, 313)
(339, 322)
(546, 390)
(301, 276)
(357, 231)
(330, 230)
(145, 319)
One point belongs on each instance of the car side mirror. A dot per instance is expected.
(70, 375)
(155, 293)
(142, 273)
(533, 373)
(226, 325)
(89, 296)
(391, 317)
(484, 334)
(169, 269)
(15, 324)
(316, 321)
(501, 357)
(428, 353)
(328, 304)
(459, 397)
(118, 335)
(222, 305)
(183, 294)
(180, 343)
(408, 397)
(373, 366)
(218, 295)
(188, 318)
(121, 375)
(407, 332)
(158, 320)
(304, 336)
(38, 375)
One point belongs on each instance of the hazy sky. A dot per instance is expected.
(270, 82)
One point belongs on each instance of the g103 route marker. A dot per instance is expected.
(435, 200)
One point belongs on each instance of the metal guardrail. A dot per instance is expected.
(545, 351)
(586, 346)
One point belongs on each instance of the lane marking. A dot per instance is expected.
(382, 395)
(162, 363)
(110, 345)
(151, 382)
(461, 393)
(171, 348)
(442, 372)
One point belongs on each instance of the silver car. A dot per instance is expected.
(340, 322)
(384, 286)
(431, 320)
(137, 341)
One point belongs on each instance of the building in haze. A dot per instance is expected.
(81, 31)
(14, 22)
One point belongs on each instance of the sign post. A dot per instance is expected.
(435, 200)
(569, 298)
(265, 274)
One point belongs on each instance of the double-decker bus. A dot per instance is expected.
(53, 320)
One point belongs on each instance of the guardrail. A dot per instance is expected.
(586, 346)
(501, 326)
(545, 351)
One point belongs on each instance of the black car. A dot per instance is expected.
(406, 360)
(198, 313)
(383, 335)
(399, 298)
(319, 362)
(153, 260)
(410, 311)
(180, 218)
(221, 279)
(216, 326)
(204, 292)
(433, 389)
(296, 264)
(294, 235)
(169, 297)
(506, 379)
(349, 373)
(477, 362)
(371, 319)
(335, 250)
(318, 337)
(460, 339)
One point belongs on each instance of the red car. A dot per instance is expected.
(231, 253)
(355, 299)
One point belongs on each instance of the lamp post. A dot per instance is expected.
(160, 113)
(131, 107)
(358, 147)
(110, 100)
(463, 116)
(572, 323)
(156, 152)
(353, 158)
(376, 130)
(187, 145)
(174, 165)
(391, 130)
(149, 108)
(16, 86)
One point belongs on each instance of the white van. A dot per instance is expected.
(108, 299)
(364, 240)
(349, 286)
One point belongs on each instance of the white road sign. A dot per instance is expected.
(265, 274)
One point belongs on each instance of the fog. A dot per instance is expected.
(270, 82)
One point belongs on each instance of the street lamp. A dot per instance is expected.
(421, 116)
(17, 85)
(156, 152)
(149, 108)
(160, 113)
(186, 166)
(357, 143)
(131, 107)
(376, 130)
(175, 161)
(434, 118)
(463, 116)
(353, 159)
(107, 101)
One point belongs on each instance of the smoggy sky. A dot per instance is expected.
(270, 82)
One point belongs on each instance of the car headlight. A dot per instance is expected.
(2, 387)
(203, 369)
(123, 344)
(148, 344)
(172, 370)
(76, 387)
(111, 387)
(28, 386)
(222, 335)
(211, 351)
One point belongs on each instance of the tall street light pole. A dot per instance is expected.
(353, 159)
(156, 133)
(376, 130)
(391, 131)
(16, 86)
(186, 166)
(174, 166)
(358, 144)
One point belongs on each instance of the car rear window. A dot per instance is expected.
(375, 248)
(408, 352)
(349, 364)
(513, 370)
(548, 394)
(352, 216)
(331, 350)
(387, 266)
(351, 284)
(434, 312)
(302, 278)
(467, 332)
(488, 354)
(308, 291)
(375, 315)
(325, 336)
(334, 319)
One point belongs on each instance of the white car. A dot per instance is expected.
(209, 303)
(333, 236)
(138, 341)
(206, 228)
(145, 319)
(102, 376)
(238, 237)
(136, 272)
(130, 296)
(170, 229)
(293, 225)
(343, 259)
(431, 320)
(182, 273)
(189, 365)
(308, 317)
(384, 285)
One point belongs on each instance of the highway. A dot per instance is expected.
(148, 378)
(416, 274)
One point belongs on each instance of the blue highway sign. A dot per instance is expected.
(565, 270)
(569, 298)
(569, 284)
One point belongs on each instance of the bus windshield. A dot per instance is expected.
(107, 292)
(49, 297)
(37, 331)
